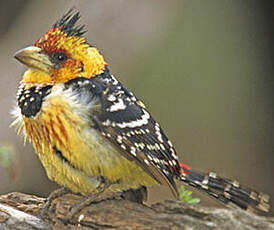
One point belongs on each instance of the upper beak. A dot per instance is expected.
(34, 58)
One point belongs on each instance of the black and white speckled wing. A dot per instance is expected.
(125, 122)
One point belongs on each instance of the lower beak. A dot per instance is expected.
(32, 57)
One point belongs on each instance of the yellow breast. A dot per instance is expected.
(73, 153)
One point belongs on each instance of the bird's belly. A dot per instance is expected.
(74, 154)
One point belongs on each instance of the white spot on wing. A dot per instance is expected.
(158, 132)
(120, 105)
(137, 123)
(146, 161)
(133, 150)
(111, 98)
(106, 122)
(119, 139)
(170, 144)
(114, 81)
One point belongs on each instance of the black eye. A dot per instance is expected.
(58, 57)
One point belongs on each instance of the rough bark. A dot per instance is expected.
(21, 211)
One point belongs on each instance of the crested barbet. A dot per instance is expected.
(89, 129)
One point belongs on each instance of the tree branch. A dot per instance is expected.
(21, 211)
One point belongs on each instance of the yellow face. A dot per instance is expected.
(58, 57)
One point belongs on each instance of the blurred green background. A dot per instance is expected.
(204, 68)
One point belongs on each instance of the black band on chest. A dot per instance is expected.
(30, 100)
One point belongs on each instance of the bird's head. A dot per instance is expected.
(61, 54)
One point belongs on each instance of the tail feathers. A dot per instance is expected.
(224, 190)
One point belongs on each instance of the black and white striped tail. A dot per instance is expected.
(226, 191)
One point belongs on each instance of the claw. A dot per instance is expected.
(53, 195)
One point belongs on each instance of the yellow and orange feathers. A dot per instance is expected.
(67, 52)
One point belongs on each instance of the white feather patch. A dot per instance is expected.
(137, 123)
(119, 105)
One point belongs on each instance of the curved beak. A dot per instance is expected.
(32, 57)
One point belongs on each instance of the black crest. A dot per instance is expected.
(68, 23)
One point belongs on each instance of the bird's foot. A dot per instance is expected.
(47, 208)
(98, 196)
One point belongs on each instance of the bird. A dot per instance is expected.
(92, 134)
